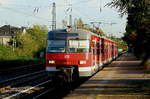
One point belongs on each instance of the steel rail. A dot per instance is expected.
(21, 77)
(18, 68)
(47, 91)
(24, 91)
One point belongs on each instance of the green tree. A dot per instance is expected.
(79, 23)
(100, 32)
(138, 25)
(39, 34)
(32, 42)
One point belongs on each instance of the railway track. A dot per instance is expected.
(32, 92)
(58, 92)
(30, 85)
(21, 84)
(17, 71)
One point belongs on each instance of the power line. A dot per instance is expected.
(25, 6)
(82, 13)
(83, 1)
(29, 6)
(26, 14)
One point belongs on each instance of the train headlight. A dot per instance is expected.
(51, 62)
(82, 62)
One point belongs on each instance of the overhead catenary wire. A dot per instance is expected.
(24, 6)
(12, 22)
(79, 13)
(81, 2)
(36, 9)
(84, 14)
(26, 14)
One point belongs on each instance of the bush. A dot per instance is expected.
(6, 53)
(29, 45)
(33, 41)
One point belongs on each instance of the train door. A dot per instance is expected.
(109, 50)
(97, 57)
(116, 50)
(94, 54)
(103, 50)
(100, 43)
(98, 53)
(108, 56)
(112, 49)
(106, 51)
(93, 61)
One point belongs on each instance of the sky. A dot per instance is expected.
(31, 12)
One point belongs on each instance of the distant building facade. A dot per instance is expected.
(7, 32)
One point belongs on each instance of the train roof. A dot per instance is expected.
(73, 33)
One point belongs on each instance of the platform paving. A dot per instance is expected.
(124, 78)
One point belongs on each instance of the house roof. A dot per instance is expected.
(8, 30)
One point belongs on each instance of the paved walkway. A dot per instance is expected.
(124, 78)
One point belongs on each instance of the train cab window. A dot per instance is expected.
(78, 46)
(56, 46)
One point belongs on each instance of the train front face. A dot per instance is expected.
(66, 50)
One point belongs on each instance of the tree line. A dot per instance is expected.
(137, 33)
(28, 44)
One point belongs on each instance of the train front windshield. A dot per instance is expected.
(70, 46)
(56, 46)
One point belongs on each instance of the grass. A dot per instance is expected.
(11, 59)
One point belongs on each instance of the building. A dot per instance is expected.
(7, 32)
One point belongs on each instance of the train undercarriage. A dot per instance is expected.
(66, 75)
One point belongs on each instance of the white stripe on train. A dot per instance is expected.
(89, 68)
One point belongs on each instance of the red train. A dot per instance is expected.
(79, 52)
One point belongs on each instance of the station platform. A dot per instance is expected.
(124, 78)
